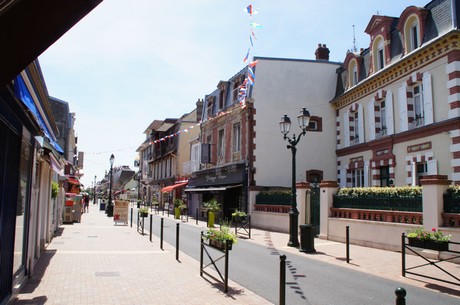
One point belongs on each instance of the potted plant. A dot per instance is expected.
(213, 206)
(177, 207)
(139, 201)
(143, 212)
(434, 239)
(238, 215)
(218, 237)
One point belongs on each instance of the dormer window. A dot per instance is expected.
(411, 25)
(379, 54)
(412, 34)
(353, 73)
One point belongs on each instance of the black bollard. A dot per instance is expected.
(151, 221)
(282, 279)
(161, 233)
(348, 244)
(400, 296)
(196, 216)
(177, 241)
(131, 217)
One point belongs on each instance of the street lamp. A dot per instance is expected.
(109, 204)
(285, 126)
(94, 202)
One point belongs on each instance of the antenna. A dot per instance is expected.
(354, 40)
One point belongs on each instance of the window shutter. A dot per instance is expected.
(343, 177)
(366, 175)
(205, 153)
(371, 116)
(402, 96)
(432, 167)
(346, 129)
(361, 123)
(389, 113)
(427, 99)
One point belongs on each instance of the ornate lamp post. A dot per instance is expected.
(109, 204)
(285, 126)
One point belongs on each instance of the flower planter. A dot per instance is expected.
(176, 213)
(429, 244)
(218, 244)
(143, 214)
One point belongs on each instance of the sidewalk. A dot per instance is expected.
(95, 262)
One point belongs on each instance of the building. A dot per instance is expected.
(397, 102)
(164, 161)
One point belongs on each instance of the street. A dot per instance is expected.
(308, 281)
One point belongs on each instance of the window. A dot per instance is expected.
(357, 177)
(379, 54)
(356, 127)
(221, 146)
(353, 72)
(383, 119)
(417, 92)
(412, 33)
(384, 176)
(414, 37)
(236, 137)
(422, 170)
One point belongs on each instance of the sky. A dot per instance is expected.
(128, 63)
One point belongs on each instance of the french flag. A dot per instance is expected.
(249, 9)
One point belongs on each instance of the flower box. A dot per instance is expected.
(429, 244)
(219, 244)
(143, 214)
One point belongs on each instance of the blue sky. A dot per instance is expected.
(130, 62)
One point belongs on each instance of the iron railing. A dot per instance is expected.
(451, 203)
(277, 199)
(413, 204)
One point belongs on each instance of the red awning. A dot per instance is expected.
(169, 188)
(73, 181)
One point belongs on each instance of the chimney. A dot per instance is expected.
(199, 110)
(322, 52)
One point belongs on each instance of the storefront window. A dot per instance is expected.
(21, 207)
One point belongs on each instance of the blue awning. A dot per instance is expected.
(22, 93)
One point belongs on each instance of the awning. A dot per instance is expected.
(41, 24)
(210, 189)
(169, 188)
(73, 181)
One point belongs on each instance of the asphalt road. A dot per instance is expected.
(308, 281)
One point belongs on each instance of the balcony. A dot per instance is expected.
(190, 167)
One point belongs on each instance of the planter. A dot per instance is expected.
(239, 218)
(143, 214)
(176, 213)
(429, 244)
(218, 244)
(211, 217)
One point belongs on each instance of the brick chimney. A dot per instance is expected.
(199, 109)
(322, 52)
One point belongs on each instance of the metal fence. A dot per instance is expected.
(451, 203)
(379, 203)
(278, 199)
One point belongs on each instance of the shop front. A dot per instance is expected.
(228, 184)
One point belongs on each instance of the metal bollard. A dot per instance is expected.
(348, 244)
(131, 217)
(177, 241)
(282, 279)
(151, 221)
(196, 216)
(400, 296)
(161, 233)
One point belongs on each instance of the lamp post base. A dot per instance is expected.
(109, 210)
(293, 228)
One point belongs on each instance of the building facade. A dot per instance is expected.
(397, 107)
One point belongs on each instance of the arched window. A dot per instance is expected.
(412, 33)
(353, 73)
(379, 53)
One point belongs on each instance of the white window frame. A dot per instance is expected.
(357, 177)
(236, 137)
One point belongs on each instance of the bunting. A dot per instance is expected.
(250, 75)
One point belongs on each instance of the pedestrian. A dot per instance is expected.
(86, 202)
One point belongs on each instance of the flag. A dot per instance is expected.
(250, 39)
(249, 9)
(253, 63)
(255, 25)
(246, 57)
(251, 73)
